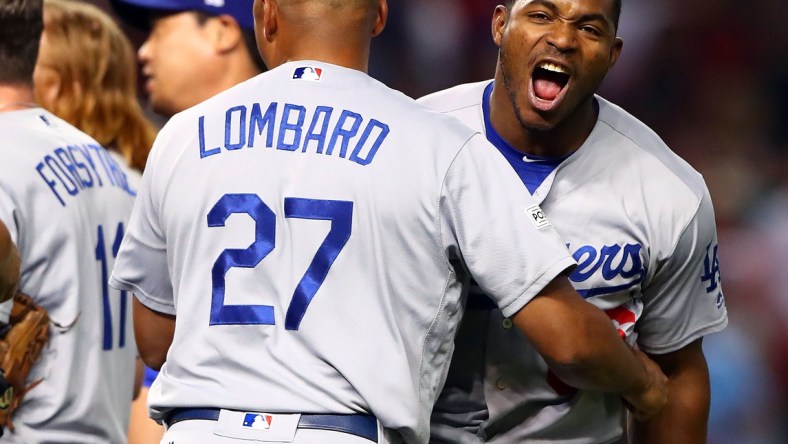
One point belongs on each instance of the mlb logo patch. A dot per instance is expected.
(259, 421)
(310, 73)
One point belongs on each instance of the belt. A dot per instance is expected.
(365, 426)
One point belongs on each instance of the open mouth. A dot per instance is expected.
(548, 85)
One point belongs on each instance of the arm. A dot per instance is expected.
(154, 332)
(9, 265)
(684, 419)
(583, 349)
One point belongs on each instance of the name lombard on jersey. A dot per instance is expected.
(299, 130)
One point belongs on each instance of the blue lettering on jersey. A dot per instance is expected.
(71, 169)
(294, 126)
(614, 261)
(711, 269)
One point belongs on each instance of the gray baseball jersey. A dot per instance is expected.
(65, 201)
(312, 231)
(640, 223)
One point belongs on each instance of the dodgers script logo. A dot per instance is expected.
(615, 264)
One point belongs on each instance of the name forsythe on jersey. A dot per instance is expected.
(69, 170)
(290, 127)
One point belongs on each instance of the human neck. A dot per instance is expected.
(14, 97)
(560, 140)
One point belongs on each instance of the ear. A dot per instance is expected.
(270, 22)
(380, 21)
(228, 34)
(499, 19)
(615, 52)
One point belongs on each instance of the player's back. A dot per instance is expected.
(66, 200)
(281, 204)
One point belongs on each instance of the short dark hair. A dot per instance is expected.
(616, 10)
(250, 41)
(21, 24)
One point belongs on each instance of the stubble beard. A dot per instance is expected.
(513, 96)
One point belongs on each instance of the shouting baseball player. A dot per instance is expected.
(301, 243)
(65, 201)
(637, 218)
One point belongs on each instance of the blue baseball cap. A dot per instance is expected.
(137, 12)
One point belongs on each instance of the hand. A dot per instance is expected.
(646, 401)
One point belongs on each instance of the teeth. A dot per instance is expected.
(554, 68)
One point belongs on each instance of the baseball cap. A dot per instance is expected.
(137, 12)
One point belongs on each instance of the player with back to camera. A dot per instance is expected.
(86, 74)
(64, 201)
(637, 218)
(265, 252)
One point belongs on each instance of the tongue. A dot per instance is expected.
(546, 89)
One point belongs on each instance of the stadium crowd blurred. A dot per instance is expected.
(710, 77)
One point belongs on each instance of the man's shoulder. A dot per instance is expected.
(649, 148)
(467, 95)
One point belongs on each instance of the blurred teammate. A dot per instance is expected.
(64, 200)
(195, 49)
(638, 219)
(87, 75)
(281, 261)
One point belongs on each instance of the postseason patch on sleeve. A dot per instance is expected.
(537, 217)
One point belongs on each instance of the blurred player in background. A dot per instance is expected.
(267, 245)
(194, 50)
(638, 219)
(64, 200)
(87, 75)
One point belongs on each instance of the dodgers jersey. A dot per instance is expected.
(640, 223)
(66, 200)
(313, 231)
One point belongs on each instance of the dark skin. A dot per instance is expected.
(686, 416)
(577, 36)
(580, 38)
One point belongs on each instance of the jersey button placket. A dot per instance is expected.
(507, 323)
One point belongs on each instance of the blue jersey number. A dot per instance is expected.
(101, 256)
(340, 213)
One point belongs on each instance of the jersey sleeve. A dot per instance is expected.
(141, 265)
(684, 301)
(491, 224)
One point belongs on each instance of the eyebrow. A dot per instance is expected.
(582, 19)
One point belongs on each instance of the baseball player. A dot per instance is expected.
(194, 50)
(65, 202)
(301, 242)
(637, 218)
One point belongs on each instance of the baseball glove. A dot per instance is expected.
(20, 346)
